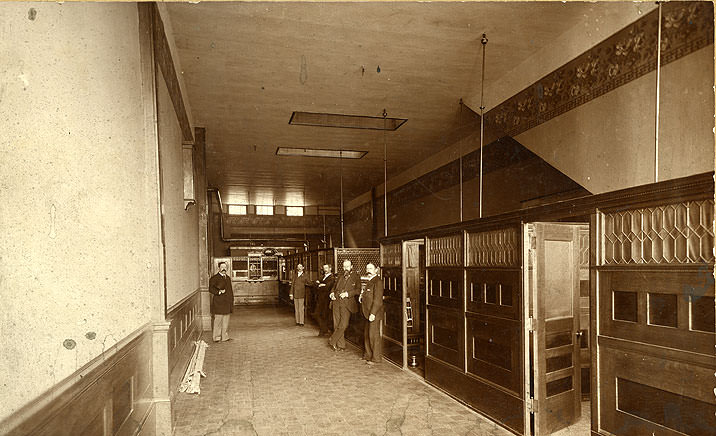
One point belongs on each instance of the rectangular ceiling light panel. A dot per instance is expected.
(345, 121)
(317, 152)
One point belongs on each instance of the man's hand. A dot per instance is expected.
(333, 296)
(221, 291)
(371, 318)
(290, 296)
(360, 298)
(322, 284)
(344, 294)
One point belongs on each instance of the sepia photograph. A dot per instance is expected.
(360, 218)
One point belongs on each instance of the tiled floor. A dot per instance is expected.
(278, 379)
(581, 427)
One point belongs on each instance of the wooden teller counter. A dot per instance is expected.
(254, 278)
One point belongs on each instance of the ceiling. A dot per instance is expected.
(248, 66)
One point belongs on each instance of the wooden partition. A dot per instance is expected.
(474, 321)
(653, 291)
(391, 256)
(646, 288)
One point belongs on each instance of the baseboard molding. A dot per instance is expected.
(110, 395)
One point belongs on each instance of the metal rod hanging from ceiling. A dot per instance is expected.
(385, 177)
(482, 111)
(340, 169)
(658, 79)
(459, 150)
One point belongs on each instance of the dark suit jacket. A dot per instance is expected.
(350, 284)
(372, 299)
(224, 303)
(328, 282)
(298, 286)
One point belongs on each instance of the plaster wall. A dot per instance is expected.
(181, 227)
(608, 143)
(78, 252)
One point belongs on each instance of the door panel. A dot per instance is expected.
(554, 308)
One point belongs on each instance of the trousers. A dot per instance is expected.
(298, 307)
(341, 318)
(221, 327)
(373, 340)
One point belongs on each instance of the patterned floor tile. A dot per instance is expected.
(278, 379)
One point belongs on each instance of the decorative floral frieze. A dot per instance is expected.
(621, 58)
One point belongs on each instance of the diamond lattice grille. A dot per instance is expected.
(671, 234)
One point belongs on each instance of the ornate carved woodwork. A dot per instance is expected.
(677, 233)
(445, 251)
(391, 255)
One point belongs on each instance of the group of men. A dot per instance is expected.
(338, 295)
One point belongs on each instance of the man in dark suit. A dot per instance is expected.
(222, 303)
(324, 286)
(372, 308)
(344, 303)
(298, 294)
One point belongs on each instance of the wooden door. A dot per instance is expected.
(554, 323)
(411, 300)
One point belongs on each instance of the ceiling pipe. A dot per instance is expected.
(482, 112)
(221, 224)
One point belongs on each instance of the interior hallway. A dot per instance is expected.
(275, 378)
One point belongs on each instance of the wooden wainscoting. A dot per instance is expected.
(184, 329)
(109, 396)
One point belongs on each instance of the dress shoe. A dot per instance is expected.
(333, 347)
(226, 340)
(370, 363)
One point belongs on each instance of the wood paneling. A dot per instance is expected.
(655, 262)
(445, 251)
(494, 351)
(446, 335)
(445, 288)
(686, 351)
(497, 404)
(506, 285)
(391, 255)
(109, 396)
(636, 402)
(184, 329)
(663, 293)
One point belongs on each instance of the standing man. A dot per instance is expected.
(298, 294)
(372, 308)
(222, 303)
(324, 288)
(344, 303)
